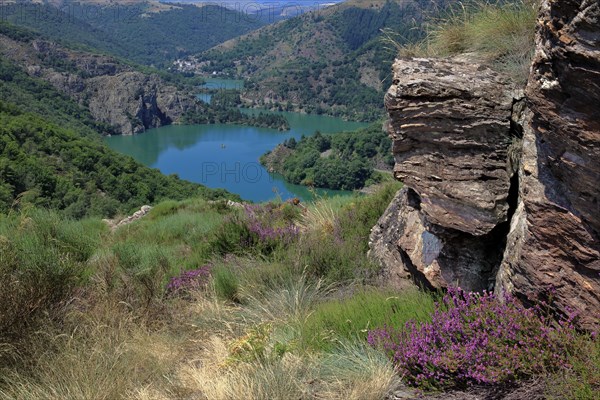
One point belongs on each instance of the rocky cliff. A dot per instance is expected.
(116, 94)
(502, 188)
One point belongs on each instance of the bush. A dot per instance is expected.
(189, 280)
(477, 339)
(261, 229)
(42, 260)
(144, 269)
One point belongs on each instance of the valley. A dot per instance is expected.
(332, 200)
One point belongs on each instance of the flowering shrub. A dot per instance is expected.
(260, 228)
(272, 223)
(477, 339)
(189, 280)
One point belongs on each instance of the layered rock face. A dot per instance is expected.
(450, 122)
(554, 242)
(501, 191)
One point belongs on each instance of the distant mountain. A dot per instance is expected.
(145, 32)
(330, 60)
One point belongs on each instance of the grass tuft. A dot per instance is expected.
(501, 33)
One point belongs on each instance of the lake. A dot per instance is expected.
(226, 156)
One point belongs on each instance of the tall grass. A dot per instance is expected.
(353, 371)
(335, 240)
(106, 354)
(42, 260)
(501, 33)
(350, 318)
(226, 283)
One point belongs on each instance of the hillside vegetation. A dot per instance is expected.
(266, 301)
(45, 165)
(143, 32)
(331, 60)
(345, 160)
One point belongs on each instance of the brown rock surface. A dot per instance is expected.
(450, 122)
(450, 126)
(459, 135)
(554, 239)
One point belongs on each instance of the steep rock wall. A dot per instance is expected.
(554, 241)
(502, 190)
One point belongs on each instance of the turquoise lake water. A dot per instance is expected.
(226, 156)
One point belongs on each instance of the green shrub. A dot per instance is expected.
(581, 379)
(144, 270)
(232, 237)
(42, 259)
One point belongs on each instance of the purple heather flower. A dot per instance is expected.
(476, 339)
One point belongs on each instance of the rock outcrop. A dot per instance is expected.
(135, 102)
(114, 224)
(502, 188)
(124, 99)
(554, 241)
(450, 122)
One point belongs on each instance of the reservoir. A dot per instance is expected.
(226, 156)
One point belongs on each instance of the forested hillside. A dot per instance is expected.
(51, 154)
(144, 32)
(332, 60)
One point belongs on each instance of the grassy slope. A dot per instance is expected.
(91, 316)
(119, 325)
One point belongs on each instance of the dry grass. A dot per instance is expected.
(101, 360)
(212, 378)
(291, 302)
(355, 371)
(320, 216)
